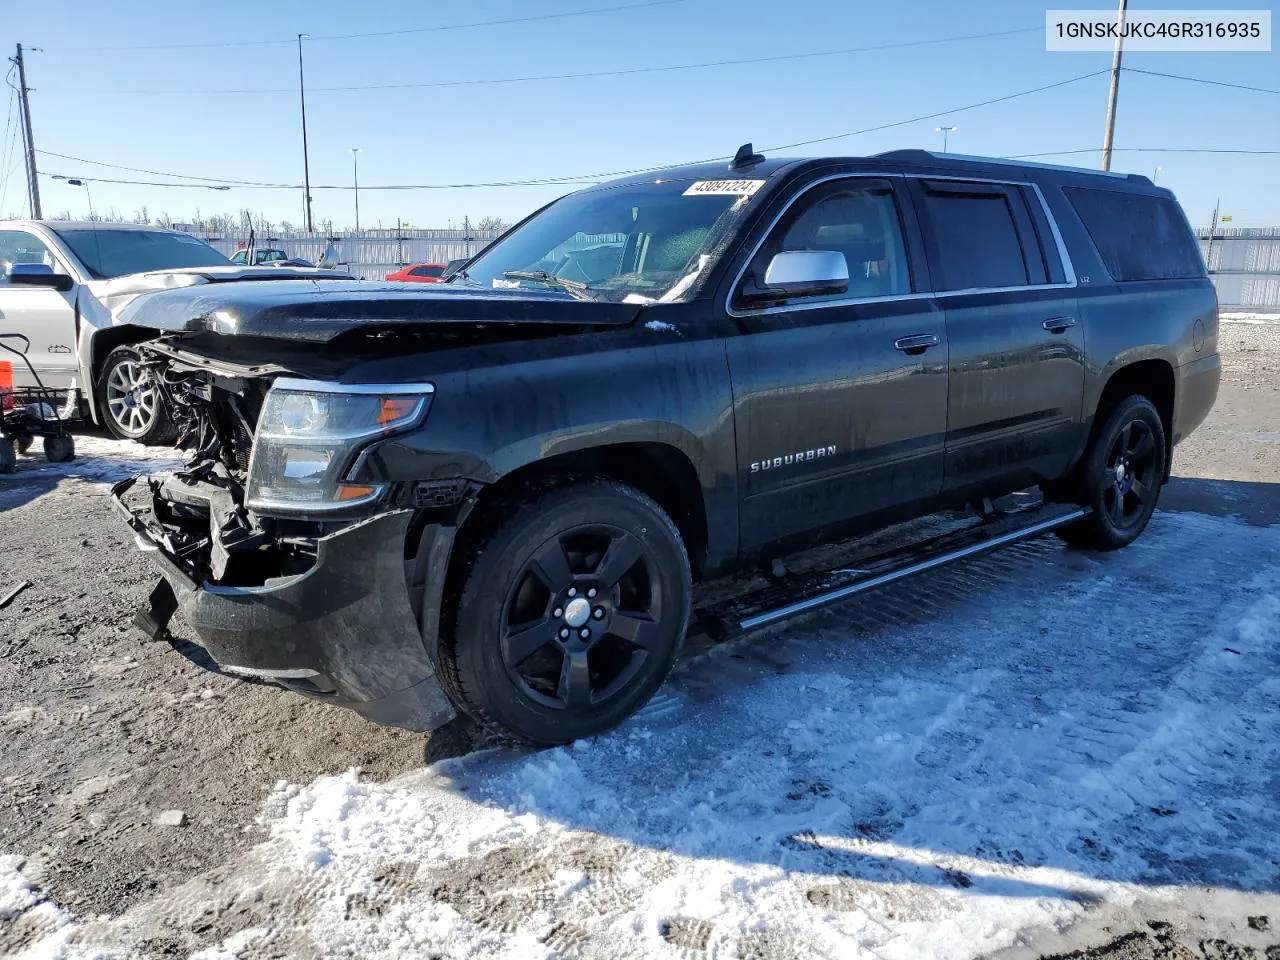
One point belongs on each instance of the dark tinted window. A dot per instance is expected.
(975, 239)
(1138, 238)
(426, 271)
(108, 253)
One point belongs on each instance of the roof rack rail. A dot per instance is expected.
(920, 156)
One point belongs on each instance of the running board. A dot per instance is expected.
(813, 591)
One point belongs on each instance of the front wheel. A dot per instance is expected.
(1120, 477)
(572, 615)
(129, 400)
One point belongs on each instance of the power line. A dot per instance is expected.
(566, 180)
(1215, 83)
(402, 32)
(160, 173)
(940, 113)
(1069, 153)
(589, 75)
(10, 136)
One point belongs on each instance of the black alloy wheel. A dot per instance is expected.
(1120, 477)
(1134, 475)
(581, 617)
(572, 613)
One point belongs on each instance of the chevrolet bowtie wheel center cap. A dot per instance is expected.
(576, 612)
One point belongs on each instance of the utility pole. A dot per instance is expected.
(1213, 228)
(355, 179)
(33, 183)
(1115, 88)
(306, 167)
(946, 132)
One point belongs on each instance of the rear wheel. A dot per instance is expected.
(129, 399)
(572, 615)
(8, 456)
(1120, 477)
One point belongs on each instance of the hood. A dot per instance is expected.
(320, 311)
(118, 291)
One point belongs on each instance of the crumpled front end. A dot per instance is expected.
(331, 606)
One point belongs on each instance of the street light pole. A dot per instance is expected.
(946, 132)
(355, 179)
(1114, 93)
(306, 167)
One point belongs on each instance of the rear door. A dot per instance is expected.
(47, 317)
(840, 400)
(1016, 387)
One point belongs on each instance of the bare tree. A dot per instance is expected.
(164, 219)
(492, 223)
(140, 215)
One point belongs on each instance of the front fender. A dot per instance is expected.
(485, 424)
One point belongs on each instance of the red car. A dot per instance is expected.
(419, 273)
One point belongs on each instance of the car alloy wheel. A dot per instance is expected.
(581, 617)
(133, 398)
(1131, 475)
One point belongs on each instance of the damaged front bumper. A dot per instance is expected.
(343, 630)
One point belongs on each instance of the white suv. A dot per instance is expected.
(62, 283)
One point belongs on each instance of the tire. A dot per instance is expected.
(8, 456)
(129, 401)
(572, 614)
(60, 448)
(1120, 477)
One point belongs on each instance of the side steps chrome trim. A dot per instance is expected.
(1004, 539)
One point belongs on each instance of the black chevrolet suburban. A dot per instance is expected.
(495, 495)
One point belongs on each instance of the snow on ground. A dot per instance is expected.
(1247, 316)
(936, 771)
(100, 460)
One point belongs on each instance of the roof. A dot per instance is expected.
(766, 169)
(77, 225)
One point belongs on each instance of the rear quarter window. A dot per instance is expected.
(1137, 237)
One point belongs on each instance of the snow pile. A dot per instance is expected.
(931, 773)
(30, 926)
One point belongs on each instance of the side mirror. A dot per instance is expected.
(802, 273)
(38, 275)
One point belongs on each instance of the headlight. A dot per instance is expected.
(309, 432)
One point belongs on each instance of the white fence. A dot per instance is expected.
(1244, 263)
(370, 254)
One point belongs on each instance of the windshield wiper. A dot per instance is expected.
(574, 288)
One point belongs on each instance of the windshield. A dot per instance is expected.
(638, 242)
(108, 253)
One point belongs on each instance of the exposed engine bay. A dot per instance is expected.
(198, 512)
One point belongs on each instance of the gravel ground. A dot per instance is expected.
(103, 737)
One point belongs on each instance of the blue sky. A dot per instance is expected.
(554, 128)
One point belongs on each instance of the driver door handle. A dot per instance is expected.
(1058, 324)
(916, 344)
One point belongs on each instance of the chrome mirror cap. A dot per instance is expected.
(796, 267)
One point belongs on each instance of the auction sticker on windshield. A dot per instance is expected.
(724, 188)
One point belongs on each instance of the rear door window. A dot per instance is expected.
(1137, 237)
(979, 236)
